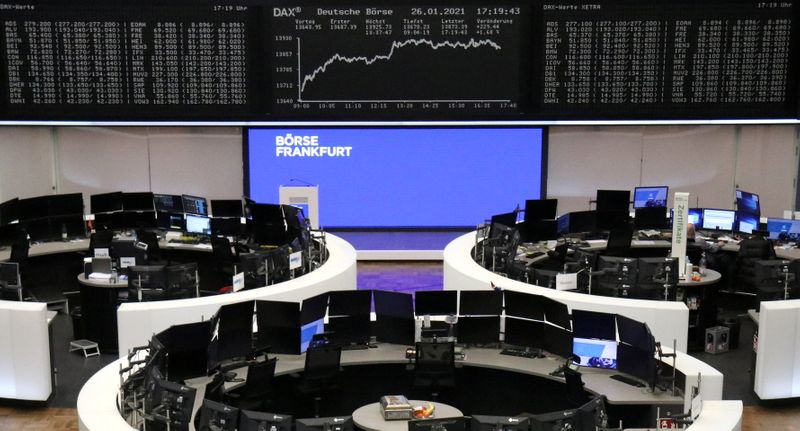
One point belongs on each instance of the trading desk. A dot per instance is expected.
(97, 407)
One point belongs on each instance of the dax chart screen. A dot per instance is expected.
(390, 60)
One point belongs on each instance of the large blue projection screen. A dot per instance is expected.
(400, 177)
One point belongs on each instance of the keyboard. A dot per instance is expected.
(186, 240)
(523, 353)
(627, 380)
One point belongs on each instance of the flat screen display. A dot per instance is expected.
(596, 353)
(400, 177)
(718, 219)
(308, 331)
(748, 202)
(783, 229)
(644, 197)
(198, 225)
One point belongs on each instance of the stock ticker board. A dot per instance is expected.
(264, 60)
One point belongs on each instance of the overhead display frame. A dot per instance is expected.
(264, 61)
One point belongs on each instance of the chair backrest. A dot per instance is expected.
(19, 252)
(575, 393)
(435, 356)
(756, 248)
(100, 239)
(151, 239)
(619, 242)
(221, 249)
(322, 362)
(261, 374)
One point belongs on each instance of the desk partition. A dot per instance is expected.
(138, 321)
(668, 321)
(777, 369)
(24, 351)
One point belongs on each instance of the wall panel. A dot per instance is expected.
(26, 163)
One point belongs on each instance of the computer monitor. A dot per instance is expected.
(140, 201)
(435, 302)
(540, 230)
(499, 423)
(480, 303)
(612, 219)
(438, 424)
(185, 350)
(556, 312)
(227, 227)
(524, 333)
(594, 324)
(267, 224)
(646, 197)
(173, 404)
(65, 204)
(278, 327)
(9, 273)
(227, 208)
(349, 302)
(632, 332)
(250, 420)
(655, 274)
(613, 200)
(194, 205)
(9, 211)
(557, 340)
(255, 266)
(312, 319)
(394, 317)
(168, 203)
(478, 330)
(592, 414)
(582, 221)
(696, 216)
(106, 202)
(783, 229)
(349, 330)
(746, 222)
(170, 221)
(618, 271)
(748, 203)
(506, 219)
(339, 423)
(217, 416)
(651, 218)
(233, 326)
(637, 362)
(524, 305)
(555, 421)
(73, 225)
(181, 280)
(595, 353)
(198, 225)
(540, 209)
(146, 276)
(33, 208)
(717, 219)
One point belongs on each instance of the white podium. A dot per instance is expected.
(307, 196)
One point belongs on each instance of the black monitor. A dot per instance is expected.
(435, 302)
(394, 317)
(106, 202)
(582, 221)
(525, 305)
(9, 273)
(650, 197)
(181, 280)
(338, 423)
(480, 303)
(349, 302)
(631, 331)
(613, 200)
(499, 423)
(655, 275)
(747, 202)
(255, 266)
(557, 340)
(524, 333)
(198, 225)
(478, 330)
(9, 211)
(140, 201)
(555, 421)
(651, 218)
(170, 221)
(540, 230)
(718, 219)
(637, 362)
(227, 208)
(612, 219)
(506, 219)
(540, 209)
(185, 348)
(267, 225)
(33, 208)
(592, 414)
(556, 313)
(619, 275)
(746, 222)
(594, 324)
(250, 420)
(278, 327)
(194, 205)
(226, 227)
(312, 319)
(147, 276)
(68, 204)
(217, 417)
(136, 219)
(172, 404)
(349, 330)
(786, 230)
(233, 326)
(438, 424)
(73, 225)
(168, 203)
(39, 230)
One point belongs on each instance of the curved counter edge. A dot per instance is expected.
(138, 321)
(668, 321)
(25, 369)
(777, 367)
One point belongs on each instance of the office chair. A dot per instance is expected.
(225, 260)
(751, 250)
(435, 367)
(321, 374)
(100, 239)
(665, 381)
(257, 388)
(10, 282)
(619, 242)
(576, 395)
(153, 249)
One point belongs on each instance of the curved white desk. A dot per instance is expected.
(97, 409)
(138, 321)
(667, 320)
(24, 351)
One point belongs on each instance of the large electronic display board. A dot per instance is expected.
(379, 60)
(400, 177)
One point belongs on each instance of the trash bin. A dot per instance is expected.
(735, 327)
(78, 331)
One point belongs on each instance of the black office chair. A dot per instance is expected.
(153, 250)
(751, 250)
(619, 242)
(665, 377)
(100, 239)
(435, 367)
(254, 395)
(224, 258)
(321, 374)
(576, 395)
